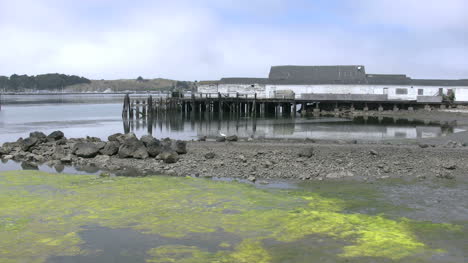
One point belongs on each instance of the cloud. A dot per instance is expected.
(427, 15)
(210, 39)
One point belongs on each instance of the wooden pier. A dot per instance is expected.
(249, 105)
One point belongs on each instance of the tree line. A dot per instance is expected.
(53, 81)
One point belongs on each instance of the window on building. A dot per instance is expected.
(401, 91)
(420, 92)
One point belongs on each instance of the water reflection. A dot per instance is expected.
(212, 125)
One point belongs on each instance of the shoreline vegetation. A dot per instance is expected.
(192, 220)
(75, 84)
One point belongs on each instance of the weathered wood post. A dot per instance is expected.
(254, 113)
(143, 108)
(294, 108)
(237, 104)
(220, 104)
(137, 105)
(192, 106)
(131, 109)
(126, 107)
(150, 106)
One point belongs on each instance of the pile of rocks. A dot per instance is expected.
(39, 147)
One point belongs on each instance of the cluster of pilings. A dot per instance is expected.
(252, 106)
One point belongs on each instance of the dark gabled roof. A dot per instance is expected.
(388, 79)
(313, 75)
(248, 81)
(355, 74)
(439, 82)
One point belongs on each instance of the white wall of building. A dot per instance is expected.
(395, 92)
(461, 94)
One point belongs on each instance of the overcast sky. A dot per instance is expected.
(210, 39)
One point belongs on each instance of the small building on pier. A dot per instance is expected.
(339, 83)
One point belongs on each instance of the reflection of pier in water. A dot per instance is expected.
(211, 125)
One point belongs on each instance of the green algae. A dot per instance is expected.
(37, 224)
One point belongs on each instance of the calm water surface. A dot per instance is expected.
(99, 116)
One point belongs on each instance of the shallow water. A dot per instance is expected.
(100, 117)
(84, 218)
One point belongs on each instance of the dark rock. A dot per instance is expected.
(306, 152)
(155, 147)
(56, 135)
(449, 166)
(66, 159)
(111, 148)
(180, 147)
(62, 141)
(85, 150)
(115, 137)
(202, 138)
(423, 145)
(166, 143)
(147, 139)
(29, 166)
(220, 139)
(169, 156)
(6, 149)
(232, 138)
(59, 168)
(100, 145)
(40, 136)
(27, 143)
(132, 147)
(210, 155)
(93, 139)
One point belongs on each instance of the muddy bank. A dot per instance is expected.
(254, 160)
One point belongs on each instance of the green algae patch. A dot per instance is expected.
(41, 216)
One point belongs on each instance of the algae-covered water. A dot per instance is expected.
(86, 218)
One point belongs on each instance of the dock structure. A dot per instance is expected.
(251, 105)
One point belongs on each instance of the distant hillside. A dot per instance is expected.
(25, 83)
(60, 82)
(123, 85)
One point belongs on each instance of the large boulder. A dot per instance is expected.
(132, 147)
(86, 150)
(111, 148)
(147, 139)
(169, 156)
(55, 135)
(100, 145)
(115, 137)
(154, 148)
(40, 136)
(180, 147)
(121, 138)
(29, 142)
(7, 148)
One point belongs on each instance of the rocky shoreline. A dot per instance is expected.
(253, 160)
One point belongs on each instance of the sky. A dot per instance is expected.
(210, 39)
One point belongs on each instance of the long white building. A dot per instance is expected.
(337, 83)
